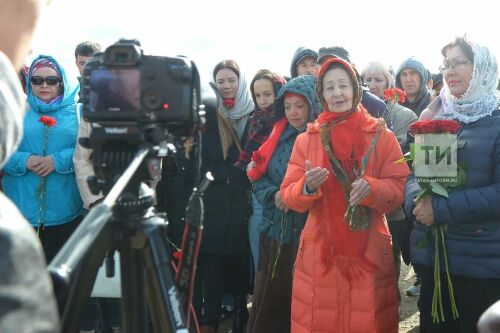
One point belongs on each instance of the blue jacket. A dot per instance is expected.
(472, 213)
(376, 107)
(63, 201)
(272, 223)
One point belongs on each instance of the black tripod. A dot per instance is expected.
(149, 289)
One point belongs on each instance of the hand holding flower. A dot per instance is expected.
(360, 190)
(423, 210)
(250, 166)
(45, 167)
(315, 177)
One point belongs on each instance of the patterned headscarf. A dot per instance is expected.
(44, 62)
(481, 98)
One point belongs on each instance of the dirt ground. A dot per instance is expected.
(408, 312)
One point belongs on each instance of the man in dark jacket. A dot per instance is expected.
(374, 105)
(27, 302)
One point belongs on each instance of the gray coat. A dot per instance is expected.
(402, 118)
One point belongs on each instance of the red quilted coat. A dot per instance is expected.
(324, 299)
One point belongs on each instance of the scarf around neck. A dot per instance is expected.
(340, 244)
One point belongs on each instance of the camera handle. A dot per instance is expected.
(140, 237)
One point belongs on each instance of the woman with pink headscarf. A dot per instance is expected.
(39, 178)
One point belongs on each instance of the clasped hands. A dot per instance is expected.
(41, 165)
(317, 176)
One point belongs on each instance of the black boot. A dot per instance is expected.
(240, 315)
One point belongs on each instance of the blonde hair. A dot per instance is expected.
(378, 67)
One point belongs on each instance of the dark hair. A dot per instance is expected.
(229, 64)
(463, 44)
(23, 74)
(265, 74)
(87, 49)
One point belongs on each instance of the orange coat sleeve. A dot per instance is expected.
(292, 187)
(388, 176)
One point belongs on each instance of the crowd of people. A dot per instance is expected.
(312, 206)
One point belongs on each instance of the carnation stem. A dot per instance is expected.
(283, 227)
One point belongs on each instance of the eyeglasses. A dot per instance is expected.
(454, 64)
(50, 80)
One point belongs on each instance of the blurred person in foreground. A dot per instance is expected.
(27, 302)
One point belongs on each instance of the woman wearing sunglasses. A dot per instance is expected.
(40, 178)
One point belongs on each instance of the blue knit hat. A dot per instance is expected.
(304, 85)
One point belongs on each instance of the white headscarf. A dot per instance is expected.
(12, 109)
(481, 98)
(243, 105)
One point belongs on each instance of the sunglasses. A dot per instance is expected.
(50, 80)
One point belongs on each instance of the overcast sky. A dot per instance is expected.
(265, 33)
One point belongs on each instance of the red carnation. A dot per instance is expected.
(228, 103)
(48, 121)
(395, 94)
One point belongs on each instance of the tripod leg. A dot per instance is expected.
(135, 317)
(167, 313)
(80, 290)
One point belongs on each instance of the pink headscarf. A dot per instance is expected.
(44, 62)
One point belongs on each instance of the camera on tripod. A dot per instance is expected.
(137, 105)
(124, 85)
(134, 100)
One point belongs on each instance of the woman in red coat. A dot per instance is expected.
(344, 170)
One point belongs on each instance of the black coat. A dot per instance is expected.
(174, 189)
(227, 199)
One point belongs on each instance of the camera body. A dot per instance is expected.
(124, 86)
(134, 101)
